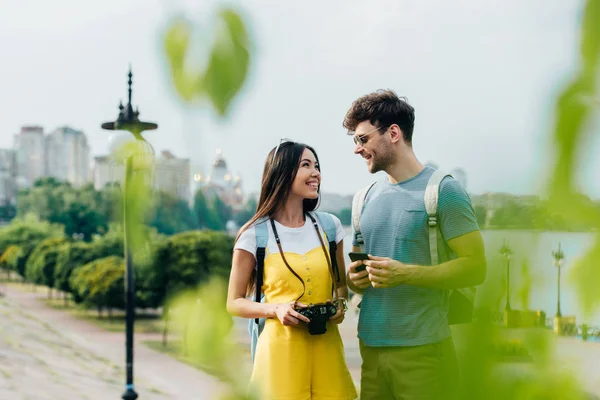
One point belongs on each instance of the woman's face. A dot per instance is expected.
(307, 180)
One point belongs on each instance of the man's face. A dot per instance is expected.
(373, 145)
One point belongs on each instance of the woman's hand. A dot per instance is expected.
(287, 314)
(338, 317)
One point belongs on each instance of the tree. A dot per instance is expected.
(71, 255)
(345, 216)
(9, 259)
(26, 232)
(222, 211)
(189, 258)
(480, 215)
(40, 265)
(172, 214)
(246, 213)
(100, 283)
(205, 216)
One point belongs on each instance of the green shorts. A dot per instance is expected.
(428, 372)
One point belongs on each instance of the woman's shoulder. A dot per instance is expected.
(334, 217)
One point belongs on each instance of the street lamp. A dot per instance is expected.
(128, 120)
(559, 258)
(506, 252)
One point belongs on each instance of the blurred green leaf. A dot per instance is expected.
(229, 61)
(585, 273)
(574, 110)
(176, 43)
(227, 65)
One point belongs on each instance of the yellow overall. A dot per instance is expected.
(291, 364)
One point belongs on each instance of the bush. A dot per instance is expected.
(100, 283)
(40, 265)
(70, 257)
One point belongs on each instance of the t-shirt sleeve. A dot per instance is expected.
(455, 210)
(247, 241)
(340, 232)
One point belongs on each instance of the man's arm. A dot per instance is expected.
(467, 269)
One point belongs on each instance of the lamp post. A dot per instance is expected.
(506, 252)
(128, 120)
(559, 258)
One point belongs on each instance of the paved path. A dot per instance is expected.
(49, 354)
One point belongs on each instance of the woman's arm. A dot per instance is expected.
(341, 286)
(237, 304)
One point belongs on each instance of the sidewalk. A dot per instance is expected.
(68, 358)
(49, 354)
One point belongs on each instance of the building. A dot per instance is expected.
(221, 182)
(172, 175)
(105, 170)
(67, 156)
(30, 155)
(8, 177)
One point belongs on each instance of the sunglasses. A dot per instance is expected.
(281, 141)
(362, 139)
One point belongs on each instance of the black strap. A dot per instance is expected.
(285, 261)
(260, 267)
(333, 253)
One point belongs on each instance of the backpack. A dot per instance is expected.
(461, 300)
(256, 325)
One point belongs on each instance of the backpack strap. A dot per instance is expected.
(432, 192)
(262, 239)
(328, 224)
(358, 203)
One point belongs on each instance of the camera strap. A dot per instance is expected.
(278, 240)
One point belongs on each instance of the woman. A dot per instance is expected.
(291, 363)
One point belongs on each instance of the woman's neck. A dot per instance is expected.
(291, 215)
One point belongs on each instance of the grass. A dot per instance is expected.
(174, 349)
(150, 322)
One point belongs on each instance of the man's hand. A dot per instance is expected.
(385, 272)
(360, 279)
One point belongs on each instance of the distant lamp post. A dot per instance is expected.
(559, 259)
(506, 252)
(128, 120)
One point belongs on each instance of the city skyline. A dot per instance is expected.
(483, 81)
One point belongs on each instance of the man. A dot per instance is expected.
(405, 340)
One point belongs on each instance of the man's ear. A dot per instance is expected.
(396, 134)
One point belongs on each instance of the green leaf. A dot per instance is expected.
(228, 66)
(176, 43)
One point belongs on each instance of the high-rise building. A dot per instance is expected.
(106, 170)
(8, 177)
(30, 155)
(172, 175)
(68, 156)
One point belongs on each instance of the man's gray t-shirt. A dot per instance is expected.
(393, 224)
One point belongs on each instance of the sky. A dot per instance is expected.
(483, 77)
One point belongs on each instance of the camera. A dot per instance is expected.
(318, 315)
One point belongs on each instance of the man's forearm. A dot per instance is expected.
(454, 274)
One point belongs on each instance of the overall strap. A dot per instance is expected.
(262, 239)
(330, 229)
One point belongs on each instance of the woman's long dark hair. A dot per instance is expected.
(277, 179)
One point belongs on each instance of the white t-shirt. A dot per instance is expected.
(293, 240)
